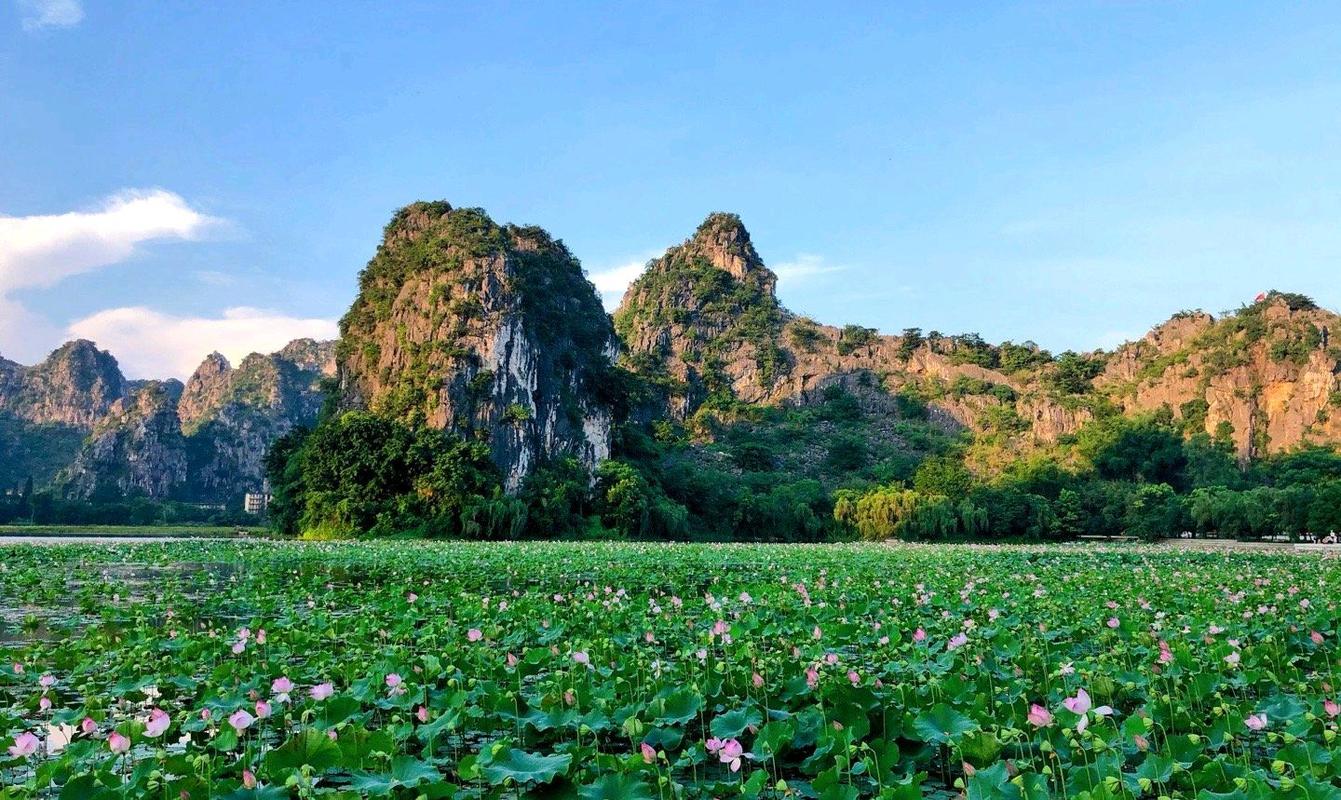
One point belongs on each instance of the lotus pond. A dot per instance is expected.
(434, 670)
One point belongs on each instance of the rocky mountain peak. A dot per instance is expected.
(75, 385)
(214, 365)
(310, 355)
(491, 331)
(722, 241)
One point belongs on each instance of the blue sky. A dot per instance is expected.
(182, 177)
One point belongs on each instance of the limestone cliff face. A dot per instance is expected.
(136, 449)
(47, 409)
(491, 331)
(76, 385)
(74, 421)
(1265, 376)
(232, 415)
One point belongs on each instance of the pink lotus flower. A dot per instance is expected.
(46, 681)
(421, 714)
(853, 677)
(812, 677)
(88, 726)
(1081, 705)
(25, 744)
(757, 680)
(474, 635)
(1331, 707)
(18, 668)
(1232, 659)
(569, 698)
(956, 641)
(919, 635)
(649, 753)
(260, 636)
(157, 723)
(44, 703)
(238, 647)
(817, 633)
(393, 682)
(1113, 622)
(117, 743)
(248, 779)
(1256, 722)
(582, 658)
(720, 627)
(262, 709)
(1039, 716)
(731, 752)
(241, 720)
(512, 660)
(1316, 637)
(281, 687)
(713, 745)
(322, 691)
(412, 597)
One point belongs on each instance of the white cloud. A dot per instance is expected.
(151, 344)
(611, 283)
(40, 251)
(803, 267)
(42, 14)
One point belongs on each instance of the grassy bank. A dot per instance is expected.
(183, 531)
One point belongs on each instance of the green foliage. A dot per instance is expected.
(1144, 449)
(628, 504)
(846, 453)
(1194, 414)
(855, 337)
(804, 334)
(1016, 358)
(943, 475)
(909, 341)
(1154, 511)
(970, 348)
(363, 475)
(890, 512)
(516, 413)
(558, 499)
(1210, 463)
(1074, 373)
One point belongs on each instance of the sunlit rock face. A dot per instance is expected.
(490, 331)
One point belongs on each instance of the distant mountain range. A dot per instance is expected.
(73, 422)
(493, 331)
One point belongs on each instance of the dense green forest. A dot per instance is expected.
(830, 470)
